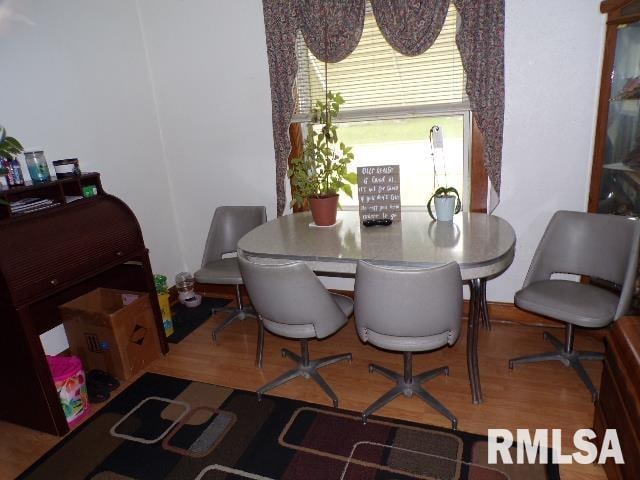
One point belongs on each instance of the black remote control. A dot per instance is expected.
(383, 222)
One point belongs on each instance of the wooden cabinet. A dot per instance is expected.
(48, 258)
(615, 177)
(618, 405)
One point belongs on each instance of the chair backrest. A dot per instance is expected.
(290, 293)
(404, 302)
(230, 224)
(597, 245)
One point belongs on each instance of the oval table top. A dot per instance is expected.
(483, 245)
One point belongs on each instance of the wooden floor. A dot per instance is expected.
(544, 395)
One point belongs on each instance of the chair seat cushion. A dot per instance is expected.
(572, 302)
(225, 271)
(305, 330)
(308, 330)
(345, 303)
(404, 344)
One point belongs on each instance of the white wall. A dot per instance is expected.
(115, 82)
(209, 66)
(74, 81)
(553, 58)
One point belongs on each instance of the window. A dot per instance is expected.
(391, 103)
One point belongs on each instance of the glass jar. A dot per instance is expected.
(184, 285)
(13, 175)
(37, 165)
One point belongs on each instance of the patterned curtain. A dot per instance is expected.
(332, 30)
(281, 27)
(410, 26)
(480, 39)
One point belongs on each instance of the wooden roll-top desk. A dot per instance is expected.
(50, 257)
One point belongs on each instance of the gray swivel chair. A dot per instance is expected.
(600, 246)
(408, 310)
(291, 302)
(229, 224)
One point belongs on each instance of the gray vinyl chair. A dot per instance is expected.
(408, 310)
(229, 224)
(603, 247)
(293, 303)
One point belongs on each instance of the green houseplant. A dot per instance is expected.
(9, 148)
(320, 173)
(445, 198)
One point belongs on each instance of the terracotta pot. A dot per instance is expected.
(324, 210)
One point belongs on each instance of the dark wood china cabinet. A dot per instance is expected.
(615, 176)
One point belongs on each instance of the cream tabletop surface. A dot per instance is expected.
(483, 245)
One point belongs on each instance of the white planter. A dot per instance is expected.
(445, 207)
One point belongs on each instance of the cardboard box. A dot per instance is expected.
(112, 330)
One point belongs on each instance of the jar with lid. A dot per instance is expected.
(37, 166)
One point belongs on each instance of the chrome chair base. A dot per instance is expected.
(409, 385)
(566, 355)
(306, 368)
(240, 312)
(235, 314)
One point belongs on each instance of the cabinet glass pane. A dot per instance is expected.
(620, 189)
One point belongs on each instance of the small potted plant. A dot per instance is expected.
(321, 172)
(446, 199)
(447, 203)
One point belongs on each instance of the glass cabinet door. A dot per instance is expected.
(620, 186)
(615, 179)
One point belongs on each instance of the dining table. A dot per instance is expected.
(483, 245)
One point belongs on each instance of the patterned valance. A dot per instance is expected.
(410, 27)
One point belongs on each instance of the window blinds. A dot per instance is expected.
(378, 82)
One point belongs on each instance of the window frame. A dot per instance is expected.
(476, 186)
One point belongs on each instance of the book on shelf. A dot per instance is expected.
(26, 205)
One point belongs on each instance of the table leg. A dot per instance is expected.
(475, 307)
(484, 310)
(260, 345)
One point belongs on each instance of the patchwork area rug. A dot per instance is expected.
(168, 428)
(186, 320)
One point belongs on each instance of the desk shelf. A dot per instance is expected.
(60, 192)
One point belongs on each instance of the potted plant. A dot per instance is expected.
(446, 199)
(321, 172)
(9, 148)
(447, 203)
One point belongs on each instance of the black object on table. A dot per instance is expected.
(382, 222)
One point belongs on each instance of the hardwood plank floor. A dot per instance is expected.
(544, 395)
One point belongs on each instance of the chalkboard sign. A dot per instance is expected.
(379, 192)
